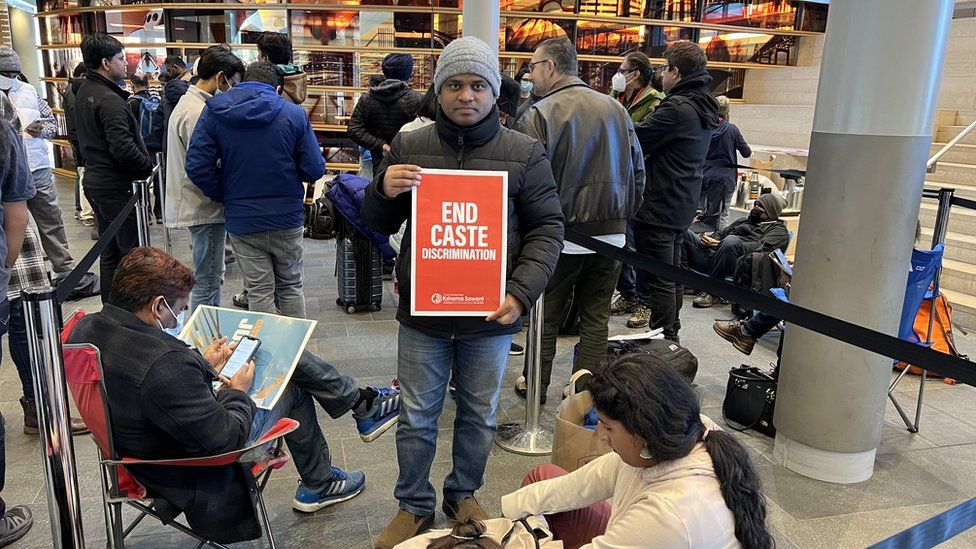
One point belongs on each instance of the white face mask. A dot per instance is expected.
(175, 330)
(618, 83)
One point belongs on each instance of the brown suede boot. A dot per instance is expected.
(464, 510)
(31, 426)
(404, 526)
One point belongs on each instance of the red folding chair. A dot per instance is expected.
(83, 371)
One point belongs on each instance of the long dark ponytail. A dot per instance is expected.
(653, 401)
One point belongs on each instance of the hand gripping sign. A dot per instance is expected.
(460, 236)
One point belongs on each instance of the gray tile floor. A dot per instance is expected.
(916, 476)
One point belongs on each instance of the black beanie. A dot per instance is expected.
(398, 66)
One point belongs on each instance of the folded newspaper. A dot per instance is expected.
(283, 339)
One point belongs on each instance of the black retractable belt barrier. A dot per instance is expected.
(72, 280)
(864, 338)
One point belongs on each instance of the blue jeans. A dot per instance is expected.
(314, 380)
(424, 368)
(19, 351)
(207, 244)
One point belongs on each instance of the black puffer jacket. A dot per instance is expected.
(74, 84)
(675, 140)
(535, 220)
(380, 114)
(597, 163)
(110, 138)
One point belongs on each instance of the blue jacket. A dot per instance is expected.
(251, 150)
(347, 193)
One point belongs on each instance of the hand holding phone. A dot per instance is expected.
(246, 348)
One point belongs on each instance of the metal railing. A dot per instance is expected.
(934, 161)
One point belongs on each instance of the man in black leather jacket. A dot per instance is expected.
(675, 140)
(466, 135)
(599, 171)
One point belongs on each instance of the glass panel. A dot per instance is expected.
(325, 28)
(675, 10)
(612, 8)
(524, 35)
(330, 107)
(207, 26)
(748, 47)
(813, 17)
(598, 73)
(51, 5)
(447, 27)
(659, 38)
(247, 25)
(61, 62)
(328, 69)
(727, 82)
(608, 39)
(764, 14)
(63, 29)
(565, 6)
(413, 30)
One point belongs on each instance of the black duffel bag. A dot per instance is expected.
(750, 398)
(670, 352)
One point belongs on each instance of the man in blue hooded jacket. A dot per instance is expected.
(251, 150)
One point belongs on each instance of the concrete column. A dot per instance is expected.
(879, 79)
(481, 18)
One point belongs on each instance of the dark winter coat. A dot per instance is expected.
(597, 163)
(346, 193)
(109, 136)
(250, 151)
(766, 236)
(675, 139)
(172, 92)
(721, 160)
(69, 101)
(163, 406)
(380, 114)
(535, 219)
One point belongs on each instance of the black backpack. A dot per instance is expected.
(320, 219)
(670, 352)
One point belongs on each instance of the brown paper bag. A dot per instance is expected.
(573, 446)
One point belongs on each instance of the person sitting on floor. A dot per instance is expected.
(761, 231)
(164, 406)
(674, 479)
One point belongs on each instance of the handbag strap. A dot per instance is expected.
(761, 414)
(524, 522)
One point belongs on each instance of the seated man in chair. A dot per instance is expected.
(163, 405)
(761, 231)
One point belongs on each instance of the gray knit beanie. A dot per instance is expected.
(9, 60)
(468, 55)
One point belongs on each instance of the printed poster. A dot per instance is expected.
(282, 338)
(460, 236)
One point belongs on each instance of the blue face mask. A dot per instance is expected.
(175, 330)
(526, 86)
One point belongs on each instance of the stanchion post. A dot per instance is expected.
(160, 174)
(530, 439)
(41, 313)
(140, 188)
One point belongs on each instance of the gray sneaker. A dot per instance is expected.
(622, 306)
(641, 317)
(15, 524)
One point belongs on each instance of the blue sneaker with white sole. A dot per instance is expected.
(383, 414)
(343, 486)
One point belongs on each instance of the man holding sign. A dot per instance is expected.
(483, 241)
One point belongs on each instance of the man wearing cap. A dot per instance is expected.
(382, 111)
(467, 134)
(761, 231)
(38, 127)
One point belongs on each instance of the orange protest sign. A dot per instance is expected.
(460, 236)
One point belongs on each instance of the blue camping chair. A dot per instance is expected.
(923, 286)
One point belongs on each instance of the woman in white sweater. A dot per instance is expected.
(673, 479)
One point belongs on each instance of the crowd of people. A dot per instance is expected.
(625, 168)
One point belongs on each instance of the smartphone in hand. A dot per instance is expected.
(247, 347)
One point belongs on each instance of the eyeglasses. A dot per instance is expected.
(626, 71)
(532, 64)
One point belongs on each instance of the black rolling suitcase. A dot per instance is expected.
(359, 269)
